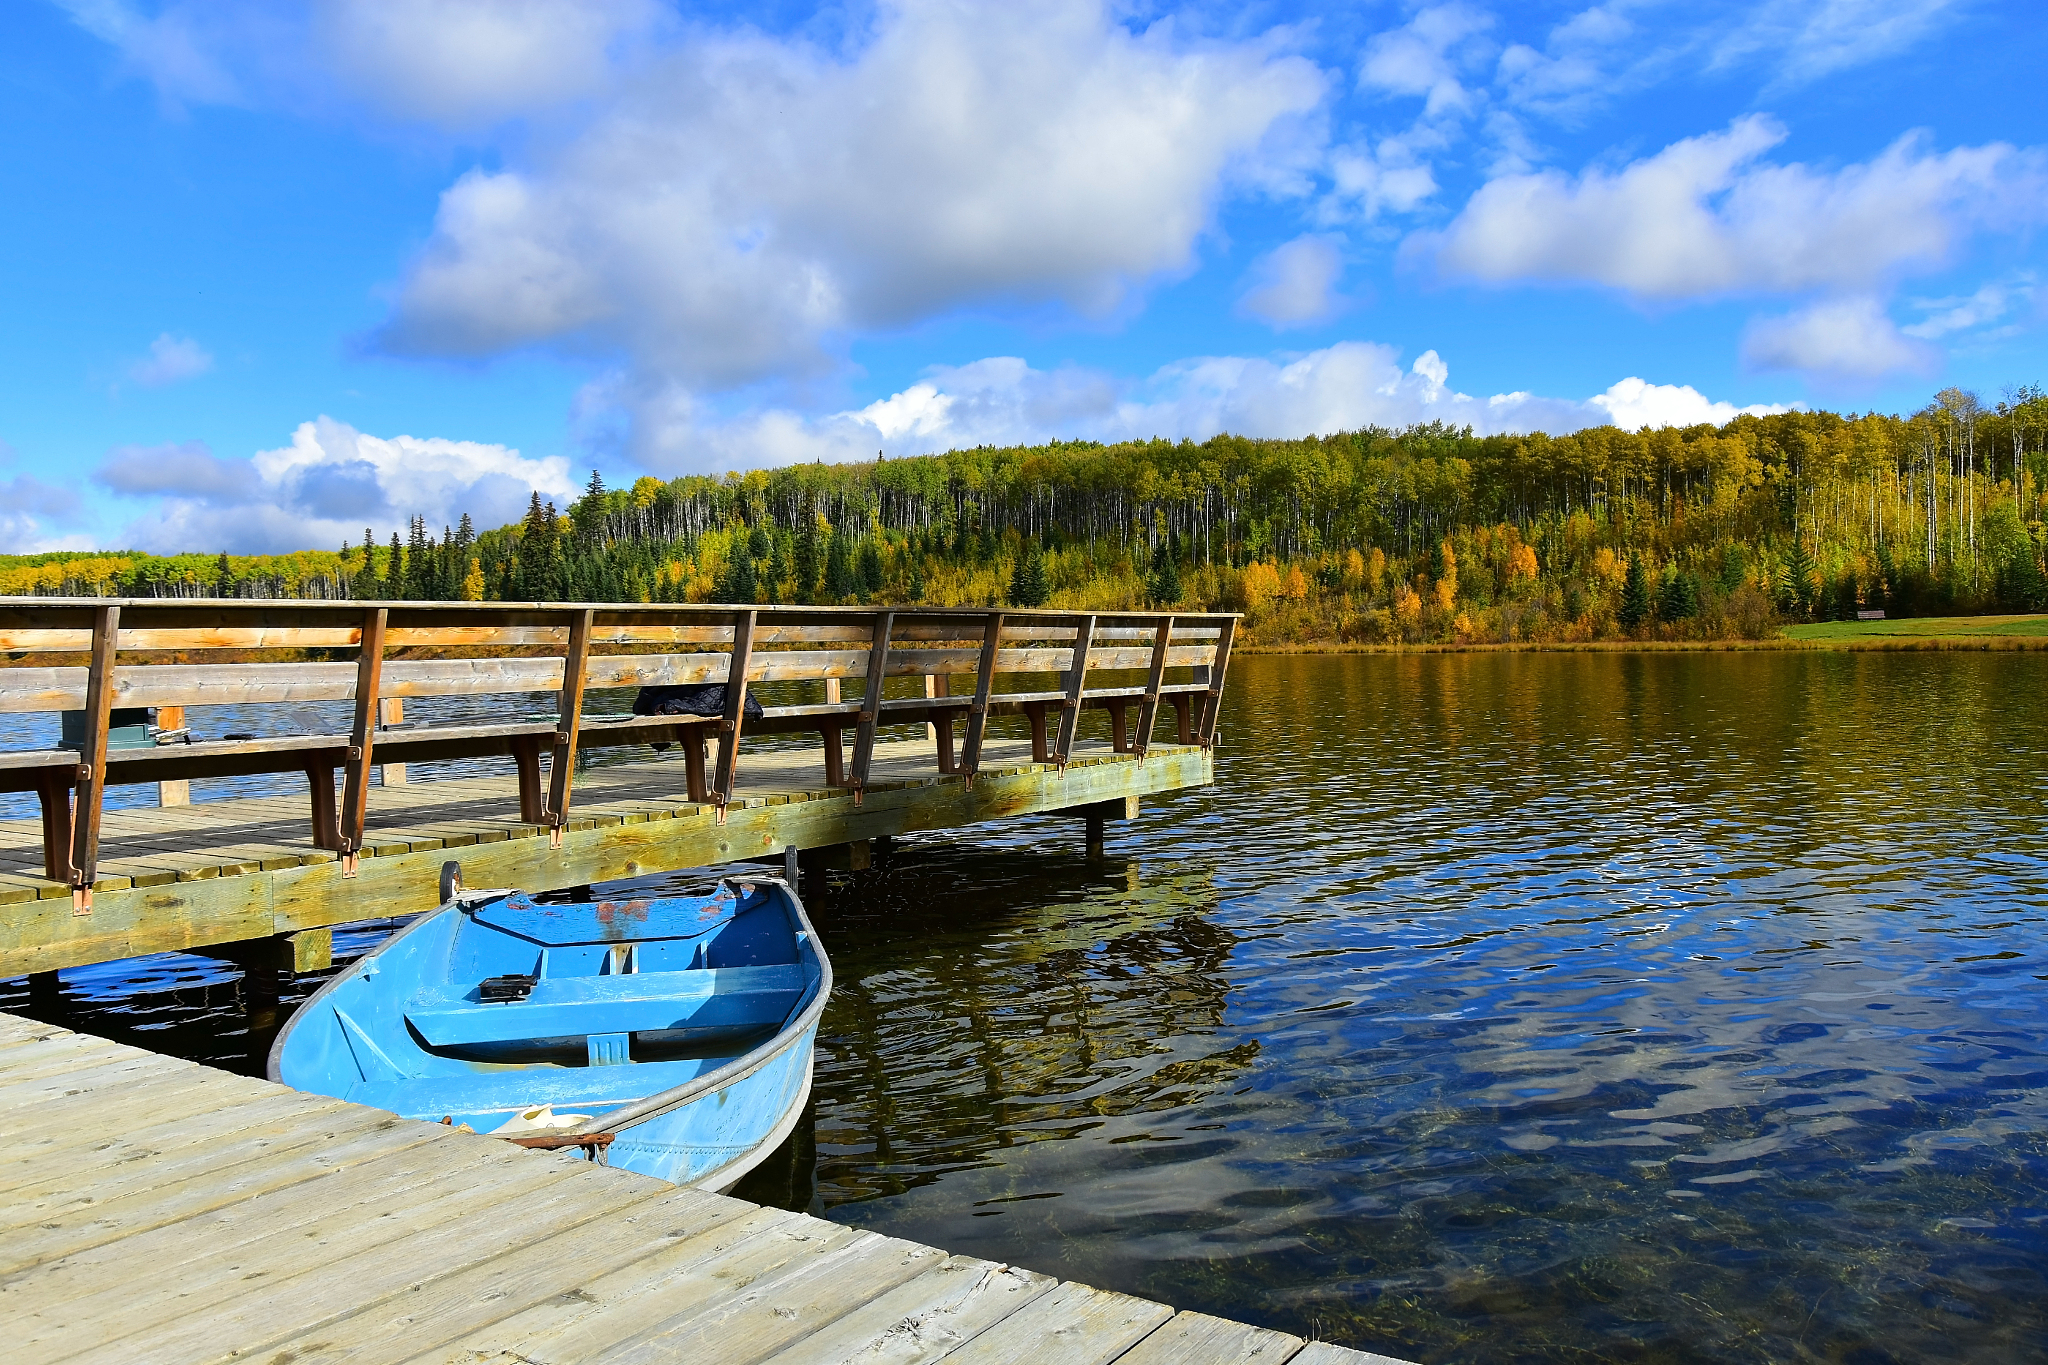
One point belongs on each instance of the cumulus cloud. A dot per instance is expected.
(453, 62)
(1004, 401)
(1706, 216)
(751, 199)
(1296, 283)
(1423, 56)
(326, 485)
(457, 61)
(1634, 404)
(1845, 340)
(171, 359)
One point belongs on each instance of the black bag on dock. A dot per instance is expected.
(688, 699)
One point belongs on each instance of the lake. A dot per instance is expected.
(1491, 1007)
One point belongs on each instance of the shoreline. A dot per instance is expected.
(1875, 644)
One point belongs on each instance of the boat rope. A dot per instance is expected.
(593, 1144)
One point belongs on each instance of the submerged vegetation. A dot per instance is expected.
(1431, 534)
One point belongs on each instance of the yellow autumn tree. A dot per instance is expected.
(1261, 584)
(473, 581)
(1296, 586)
(1407, 605)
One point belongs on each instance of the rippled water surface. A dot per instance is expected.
(1669, 1007)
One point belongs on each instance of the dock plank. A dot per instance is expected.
(924, 1319)
(192, 1124)
(1198, 1339)
(744, 1327)
(619, 1306)
(475, 1296)
(1073, 1325)
(372, 1260)
(278, 1226)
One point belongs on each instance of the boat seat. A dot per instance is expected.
(708, 998)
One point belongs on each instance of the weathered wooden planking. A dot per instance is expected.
(1323, 1353)
(60, 640)
(1198, 1339)
(191, 1129)
(471, 1296)
(63, 688)
(357, 1260)
(1073, 1325)
(619, 1307)
(924, 1319)
(423, 1243)
(68, 1221)
(635, 819)
(751, 1321)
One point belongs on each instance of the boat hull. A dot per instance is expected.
(622, 1021)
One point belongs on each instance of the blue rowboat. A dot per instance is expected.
(673, 1035)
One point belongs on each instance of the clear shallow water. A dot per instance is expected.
(1490, 1008)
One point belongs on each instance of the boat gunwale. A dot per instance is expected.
(661, 1102)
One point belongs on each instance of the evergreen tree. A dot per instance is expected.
(394, 572)
(1028, 586)
(839, 581)
(868, 569)
(808, 559)
(1679, 598)
(1796, 601)
(736, 582)
(223, 578)
(1164, 584)
(1635, 596)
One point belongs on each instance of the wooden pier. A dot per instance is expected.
(582, 797)
(160, 1211)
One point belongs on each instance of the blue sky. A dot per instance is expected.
(275, 272)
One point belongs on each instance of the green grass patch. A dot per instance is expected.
(1922, 627)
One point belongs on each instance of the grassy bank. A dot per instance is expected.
(1912, 633)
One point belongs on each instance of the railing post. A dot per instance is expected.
(870, 704)
(735, 708)
(390, 712)
(569, 725)
(1148, 710)
(1077, 682)
(1212, 702)
(178, 793)
(984, 681)
(355, 799)
(92, 758)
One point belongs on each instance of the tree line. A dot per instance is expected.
(1427, 533)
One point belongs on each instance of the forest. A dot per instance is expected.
(1430, 534)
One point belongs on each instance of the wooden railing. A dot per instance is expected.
(563, 650)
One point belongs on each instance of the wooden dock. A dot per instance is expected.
(163, 1213)
(944, 731)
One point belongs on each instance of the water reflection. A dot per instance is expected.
(1490, 1008)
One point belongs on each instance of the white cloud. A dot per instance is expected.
(1423, 57)
(1296, 283)
(1391, 176)
(1705, 217)
(1004, 401)
(1992, 303)
(458, 61)
(748, 201)
(1846, 340)
(326, 485)
(1806, 41)
(170, 360)
(454, 62)
(1634, 404)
